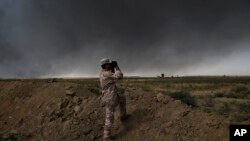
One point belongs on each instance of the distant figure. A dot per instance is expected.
(162, 75)
(110, 98)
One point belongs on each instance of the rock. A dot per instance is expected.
(66, 126)
(63, 103)
(93, 137)
(77, 100)
(90, 112)
(162, 98)
(51, 113)
(177, 101)
(70, 92)
(77, 108)
(59, 113)
(169, 124)
(87, 131)
(39, 105)
(159, 97)
(70, 105)
(52, 119)
(185, 113)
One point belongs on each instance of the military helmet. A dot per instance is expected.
(105, 61)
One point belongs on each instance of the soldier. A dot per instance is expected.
(110, 97)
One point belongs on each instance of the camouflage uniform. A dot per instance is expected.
(111, 98)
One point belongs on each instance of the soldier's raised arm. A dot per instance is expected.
(118, 73)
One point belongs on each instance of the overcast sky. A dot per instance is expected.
(67, 38)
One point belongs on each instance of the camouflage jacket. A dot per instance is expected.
(108, 85)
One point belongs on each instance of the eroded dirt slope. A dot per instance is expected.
(43, 111)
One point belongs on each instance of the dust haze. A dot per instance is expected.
(63, 38)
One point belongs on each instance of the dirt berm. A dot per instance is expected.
(42, 111)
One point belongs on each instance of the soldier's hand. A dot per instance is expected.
(117, 67)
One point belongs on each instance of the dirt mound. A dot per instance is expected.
(69, 111)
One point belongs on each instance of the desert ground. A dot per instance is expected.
(160, 109)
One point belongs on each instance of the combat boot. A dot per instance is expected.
(124, 118)
(109, 139)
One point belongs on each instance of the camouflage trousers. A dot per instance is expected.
(109, 115)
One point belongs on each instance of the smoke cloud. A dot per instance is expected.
(62, 38)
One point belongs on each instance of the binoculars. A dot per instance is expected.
(113, 65)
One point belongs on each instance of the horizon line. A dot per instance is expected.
(131, 76)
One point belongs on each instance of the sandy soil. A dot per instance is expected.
(42, 111)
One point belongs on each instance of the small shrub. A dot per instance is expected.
(209, 102)
(184, 97)
(244, 107)
(232, 95)
(240, 89)
(95, 91)
(207, 109)
(146, 88)
(219, 94)
(120, 90)
(224, 110)
(208, 105)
